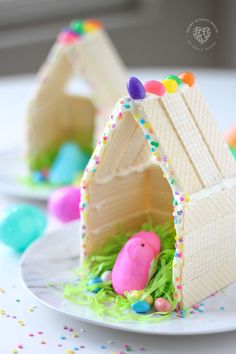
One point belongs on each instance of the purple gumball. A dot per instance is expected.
(64, 203)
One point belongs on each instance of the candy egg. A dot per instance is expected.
(140, 306)
(93, 281)
(171, 86)
(155, 87)
(174, 77)
(106, 276)
(20, 225)
(162, 305)
(187, 78)
(64, 203)
(69, 162)
(139, 295)
(135, 88)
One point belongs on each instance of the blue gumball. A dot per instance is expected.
(20, 225)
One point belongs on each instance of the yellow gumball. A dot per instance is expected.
(171, 86)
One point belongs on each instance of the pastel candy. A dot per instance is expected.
(155, 87)
(133, 264)
(68, 163)
(136, 88)
(135, 295)
(106, 276)
(140, 306)
(162, 305)
(64, 203)
(20, 225)
(93, 281)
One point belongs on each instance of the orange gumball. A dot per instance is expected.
(231, 137)
(188, 78)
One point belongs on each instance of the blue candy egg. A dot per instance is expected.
(140, 306)
(136, 88)
(20, 225)
(69, 162)
(95, 280)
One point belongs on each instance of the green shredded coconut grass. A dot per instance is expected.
(106, 302)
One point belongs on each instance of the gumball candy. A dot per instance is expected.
(188, 78)
(171, 86)
(135, 295)
(135, 88)
(140, 306)
(106, 276)
(64, 203)
(68, 163)
(155, 87)
(67, 37)
(162, 305)
(174, 77)
(20, 225)
(93, 281)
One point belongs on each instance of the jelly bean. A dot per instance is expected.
(155, 87)
(135, 88)
(106, 276)
(188, 78)
(162, 305)
(93, 281)
(174, 77)
(68, 163)
(171, 86)
(91, 25)
(20, 225)
(64, 203)
(67, 37)
(77, 26)
(140, 306)
(231, 137)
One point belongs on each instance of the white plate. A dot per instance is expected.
(12, 171)
(52, 259)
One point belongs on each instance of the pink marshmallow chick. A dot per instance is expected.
(132, 267)
(153, 240)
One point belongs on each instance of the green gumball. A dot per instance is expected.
(20, 225)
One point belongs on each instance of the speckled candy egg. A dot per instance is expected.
(64, 203)
(20, 225)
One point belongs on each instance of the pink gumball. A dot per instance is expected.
(162, 305)
(64, 203)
